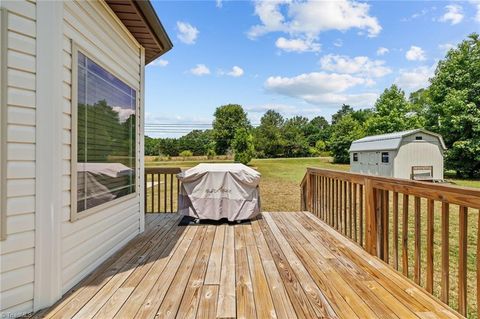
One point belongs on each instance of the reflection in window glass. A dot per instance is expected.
(106, 136)
(385, 157)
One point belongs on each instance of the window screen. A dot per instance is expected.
(105, 136)
(385, 157)
(355, 157)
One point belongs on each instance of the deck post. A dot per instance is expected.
(371, 220)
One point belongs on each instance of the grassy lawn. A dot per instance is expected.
(280, 191)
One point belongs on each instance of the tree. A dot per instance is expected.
(454, 106)
(268, 138)
(151, 146)
(185, 154)
(344, 132)
(296, 142)
(393, 113)
(344, 110)
(242, 146)
(197, 141)
(228, 119)
(318, 129)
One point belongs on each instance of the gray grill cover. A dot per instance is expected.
(215, 191)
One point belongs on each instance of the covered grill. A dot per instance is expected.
(216, 191)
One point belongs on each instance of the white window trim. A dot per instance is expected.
(74, 215)
(3, 121)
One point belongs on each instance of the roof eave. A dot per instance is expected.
(151, 18)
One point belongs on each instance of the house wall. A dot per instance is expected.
(88, 241)
(427, 152)
(17, 249)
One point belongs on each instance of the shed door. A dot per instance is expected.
(373, 163)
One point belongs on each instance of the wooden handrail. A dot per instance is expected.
(161, 194)
(367, 209)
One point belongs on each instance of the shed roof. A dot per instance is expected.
(388, 142)
(140, 18)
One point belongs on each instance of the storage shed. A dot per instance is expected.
(415, 154)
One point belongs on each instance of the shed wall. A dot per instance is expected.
(427, 152)
(17, 250)
(87, 242)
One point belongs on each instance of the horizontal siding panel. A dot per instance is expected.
(20, 97)
(20, 134)
(67, 106)
(23, 8)
(18, 259)
(67, 44)
(66, 184)
(22, 43)
(66, 167)
(67, 92)
(22, 25)
(21, 79)
(66, 120)
(21, 309)
(132, 77)
(21, 152)
(17, 242)
(73, 275)
(20, 187)
(66, 137)
(70, 257)
(66, 198)
(20, 205)
(16, 278)
(86, 21)
(67, 76)
(20, 223)
(21, 115)
(21, 61)
(78, 225)
(84, 235)
(17, 296)
(66, 153)
(20, 170)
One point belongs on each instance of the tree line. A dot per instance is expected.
(449, 106)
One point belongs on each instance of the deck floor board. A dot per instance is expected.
(281, 265)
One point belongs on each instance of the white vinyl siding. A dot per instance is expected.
(88, 241)
(17, 249)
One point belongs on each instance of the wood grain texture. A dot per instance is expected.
(281, 265)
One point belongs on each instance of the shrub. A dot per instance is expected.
(185, 154)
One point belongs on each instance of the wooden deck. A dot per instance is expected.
(284, 265)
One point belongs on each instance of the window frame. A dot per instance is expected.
(74, 214)
(3, 120)
(418, 138)
(355, 157)
(388, 157)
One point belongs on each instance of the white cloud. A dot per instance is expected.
(453, 14)
(338, 43)
(236, 71)
(219, 3)
(321, 88)
(123, 114)
(311, 17)
(415, 54)
(445, 47)
(200, 69)
(297, 45)
(416, 78)
(360, 65)
(382, 51)
(187, 33)
(476, 3)
(159, 62)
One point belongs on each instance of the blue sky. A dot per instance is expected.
(298, 57)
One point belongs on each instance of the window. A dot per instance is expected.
(105, 136)
(355, 157)
(418, 138)
(385, 157)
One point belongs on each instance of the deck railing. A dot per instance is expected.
(161, 189)
(426, 231)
